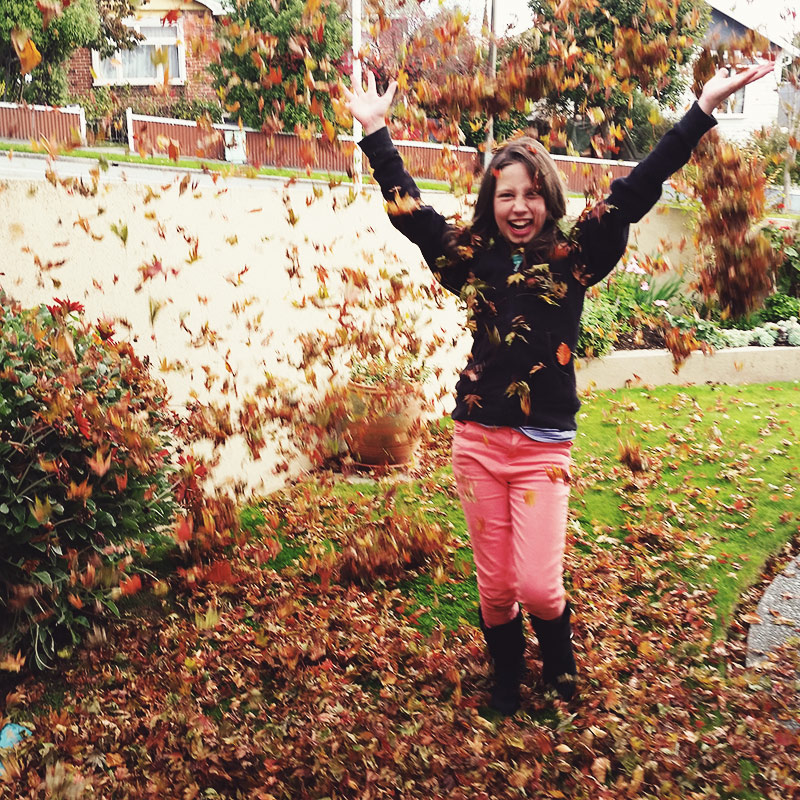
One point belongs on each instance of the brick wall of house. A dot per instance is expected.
(79, 72)
(201, 50)
(198, 31)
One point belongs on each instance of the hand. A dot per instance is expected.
(369, 108)
(723, 85)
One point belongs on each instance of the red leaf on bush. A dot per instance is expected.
(79, 491)
(83, 423)
(183, 530)
(130, 585)
(100, 465)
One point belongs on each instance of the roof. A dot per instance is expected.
(771, 18)
(214, 6)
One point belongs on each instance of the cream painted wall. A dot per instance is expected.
(239, 289)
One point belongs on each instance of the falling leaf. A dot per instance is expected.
(121, 230)
(12, 663)
(600, 767)
(27, 52)
(50, 9)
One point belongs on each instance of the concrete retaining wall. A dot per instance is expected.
(655, 367)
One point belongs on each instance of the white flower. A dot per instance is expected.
(644, 286)
(662, 303)
(633, 266)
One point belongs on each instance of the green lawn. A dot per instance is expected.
(716, 499)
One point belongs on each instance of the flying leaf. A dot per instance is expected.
(27, 52)
(50, 9)
(121, 230)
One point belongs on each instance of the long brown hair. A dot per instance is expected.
(544, 173)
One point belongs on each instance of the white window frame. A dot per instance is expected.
(736, 100)
(136, 23)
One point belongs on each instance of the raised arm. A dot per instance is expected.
(724, 84)
(420, 223)
(603, 237)
(369, 107)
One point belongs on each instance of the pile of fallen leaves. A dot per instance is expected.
(272, 683)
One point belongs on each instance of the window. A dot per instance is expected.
(161, 49)
(734, 104)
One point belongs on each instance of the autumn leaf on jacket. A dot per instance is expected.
(472, 400)
(563, 354)
(523, 392)
(402, 204)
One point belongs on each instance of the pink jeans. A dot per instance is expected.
(515, 493)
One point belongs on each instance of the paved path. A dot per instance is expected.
(779, 612)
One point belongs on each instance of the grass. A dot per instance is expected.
(226, 169)
(718, 496)
(725, 461)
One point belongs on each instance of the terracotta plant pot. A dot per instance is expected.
(384, 428)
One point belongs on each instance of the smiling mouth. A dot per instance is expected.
(519, 225)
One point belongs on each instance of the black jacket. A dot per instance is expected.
(525, 325)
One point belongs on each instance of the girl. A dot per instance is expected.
(523, 283)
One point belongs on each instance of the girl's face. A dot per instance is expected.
(519, 209)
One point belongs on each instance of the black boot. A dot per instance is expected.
(558, 662)
(506, 645)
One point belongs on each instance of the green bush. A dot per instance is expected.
(628, 299)
(85, 480)
(779, 306)
(601, 324)
(785, 241)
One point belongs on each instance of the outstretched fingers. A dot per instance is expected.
(754, 73)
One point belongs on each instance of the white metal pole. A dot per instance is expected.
(355, 10)
(487, 153)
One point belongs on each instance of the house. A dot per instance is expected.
(761, 103)
(178, 40)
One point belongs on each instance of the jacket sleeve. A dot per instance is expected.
(603, 237)
(419, 222)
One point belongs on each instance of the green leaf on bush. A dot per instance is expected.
(43, 577)
(111, 605)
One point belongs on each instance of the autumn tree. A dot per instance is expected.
(389, 29)
(114, 34)
(55, 31)
(278, 60)
(613, 52)
(54, 37)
